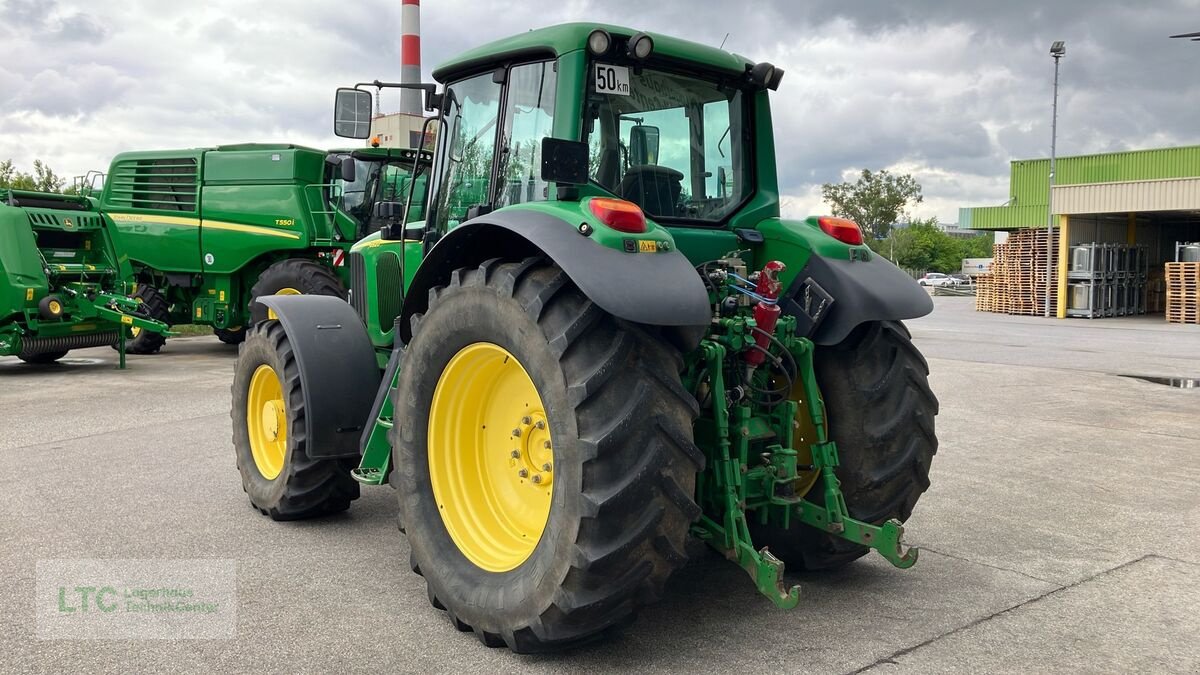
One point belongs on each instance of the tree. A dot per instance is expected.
(43, 178)
(923, 246)
(876, 201)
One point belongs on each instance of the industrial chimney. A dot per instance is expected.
(410, 56)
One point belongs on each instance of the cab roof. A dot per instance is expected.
(554, 41)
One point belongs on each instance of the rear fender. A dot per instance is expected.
(339, 373)
(658, 289)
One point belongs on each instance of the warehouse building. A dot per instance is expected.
(1139, 204)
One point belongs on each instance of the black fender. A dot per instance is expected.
(829, 297)
(658, 289)
(339, 374)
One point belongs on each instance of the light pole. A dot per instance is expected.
(1057, 50)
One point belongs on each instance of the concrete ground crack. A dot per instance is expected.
(892, 658)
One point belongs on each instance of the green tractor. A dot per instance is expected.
(63, 285)
(601, 340)
(209, 230)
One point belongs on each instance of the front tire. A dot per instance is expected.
(624, 466)
(875, 385)
(295, 276)
(269, 434)
(43, 358)
(154, 306)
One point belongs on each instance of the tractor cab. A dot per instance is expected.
(367, 187)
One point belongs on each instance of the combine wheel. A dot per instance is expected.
(880, 409)
(295, 276)
(544, 458)
(269, 434)
(231, 336)
(43, 358)
(155, 306)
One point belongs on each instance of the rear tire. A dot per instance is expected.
(875, 385)
(300, 487)
(43, 358)
(624, 464)
(291, 277)
(154, 306)
(231, 337)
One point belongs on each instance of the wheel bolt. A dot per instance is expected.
(537, 478)
(516, 433)
(540, 424)
(515, 454)
(547, 467)
(526, 419)
(546, 444)
(523, 473)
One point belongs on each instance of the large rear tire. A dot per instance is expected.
(541, 568)
(295, 276)
(269, 434)
(875, 385)
(153, 306)
(231, 336)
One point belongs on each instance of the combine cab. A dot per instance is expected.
(62, 284)
(208, 231)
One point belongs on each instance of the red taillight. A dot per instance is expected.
(841, 229)
(618, 214)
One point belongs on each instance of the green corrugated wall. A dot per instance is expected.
(1029, 181)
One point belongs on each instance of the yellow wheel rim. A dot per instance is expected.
(135, 331)
(55, 307)
(266, 421)
(491, 460)
(804, 434)
(283, 291)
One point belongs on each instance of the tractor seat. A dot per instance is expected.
(654, 188)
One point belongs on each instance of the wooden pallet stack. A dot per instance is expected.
(1183, 292)
(1018, 282)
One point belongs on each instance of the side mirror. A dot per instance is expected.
(346, 168)
(643, 145)
(564, 162)
(352, 113)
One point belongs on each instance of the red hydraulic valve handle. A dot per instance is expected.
(766, 312)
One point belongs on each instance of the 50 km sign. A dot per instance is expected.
(612, 79)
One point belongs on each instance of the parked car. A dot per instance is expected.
(935, 279)
(961, 279)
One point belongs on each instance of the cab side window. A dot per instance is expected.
(528, 118)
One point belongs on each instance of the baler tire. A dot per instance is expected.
(308, 277)
(624, 461)
(304, 488)
(43, 358)
(154, 306)
(231, 337)
(875, 385)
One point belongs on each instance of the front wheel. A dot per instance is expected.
(42, 358)
(875, 386)
(544, 458)
(153, 306)
(269, 434)
(296, 276)
(231, 336)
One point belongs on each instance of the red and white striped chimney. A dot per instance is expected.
(410, 56)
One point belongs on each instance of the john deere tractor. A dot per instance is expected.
(63, 286)
(601, 340)
(209, 230)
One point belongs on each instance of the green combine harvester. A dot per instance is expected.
(63, 285)
(601, 340)
(209, 230)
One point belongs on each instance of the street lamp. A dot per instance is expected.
(1057, 50)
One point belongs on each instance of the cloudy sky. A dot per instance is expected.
(948, 91)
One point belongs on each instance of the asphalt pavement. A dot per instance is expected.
(1060, 533)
